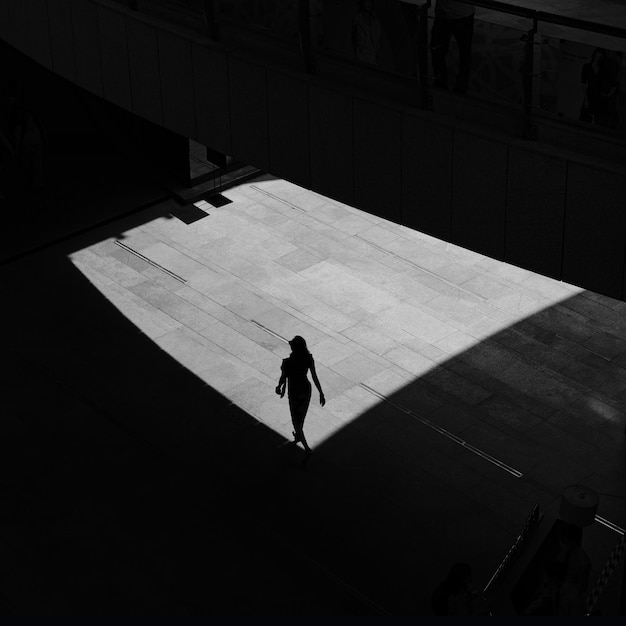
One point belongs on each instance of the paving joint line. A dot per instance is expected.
(422, 269)
(224, 271)
(541, 369)
(267, 330)
(274, 197)
(580, 345)
(445, 433)
(379, 248)
(518, 286)
(150, 261)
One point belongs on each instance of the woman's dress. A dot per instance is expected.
(298, 385)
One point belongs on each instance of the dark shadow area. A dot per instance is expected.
(92, 167)
(129, 486)
(188, 213)
(218, 200)
(120, 464)
(123, 474)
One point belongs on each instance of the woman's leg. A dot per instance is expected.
(298, 425)
(298, 406)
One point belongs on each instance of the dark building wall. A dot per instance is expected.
(594, 242)
(479, 181)
(535, 210)
(377, 137)
(427, 150)
(551, 211)
(288, 127)
(248, 111)
(332, 153)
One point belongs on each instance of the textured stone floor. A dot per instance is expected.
(146, 464)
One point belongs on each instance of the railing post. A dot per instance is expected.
(529, 131)
(425, 100)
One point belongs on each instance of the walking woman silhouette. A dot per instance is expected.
(294, 379)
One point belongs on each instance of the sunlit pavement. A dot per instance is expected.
(146, 463)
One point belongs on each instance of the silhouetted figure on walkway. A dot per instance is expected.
(452, 19)
(294, 379)
(455, 595)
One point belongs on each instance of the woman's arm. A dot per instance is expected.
(317, 383)
(282, 383)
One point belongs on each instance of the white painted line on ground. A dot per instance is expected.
(422, 269)
(611, 525)
(267, 330)
(271, 195)
(147, 260)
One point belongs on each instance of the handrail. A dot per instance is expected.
(533, 519)
(607, 570)
(546, 16)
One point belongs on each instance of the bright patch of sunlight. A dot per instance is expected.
(609, 413)
(380, 305)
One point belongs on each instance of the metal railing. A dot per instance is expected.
(528, 74)
(302, 43)
(533, 519)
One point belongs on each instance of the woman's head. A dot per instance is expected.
(298, 345)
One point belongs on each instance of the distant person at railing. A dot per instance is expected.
(366, 33)
(452, 19)
(591, 79)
